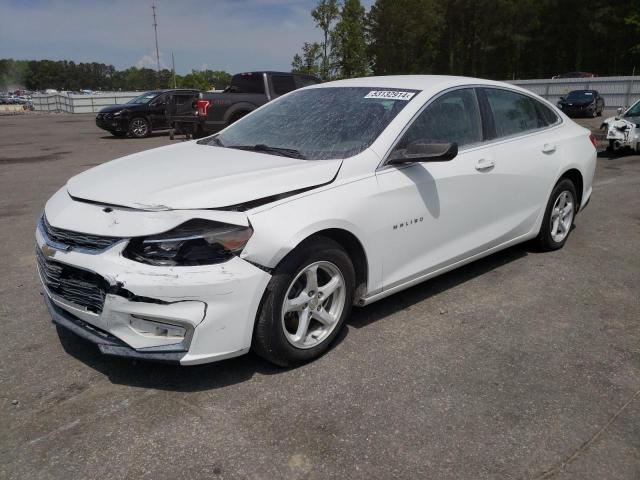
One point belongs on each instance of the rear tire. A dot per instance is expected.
(558, 216)
(236, 116)
(299, 318)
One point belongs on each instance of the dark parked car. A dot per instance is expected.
(247, 91)
(575, 75)
(143, 114)
(579, 103)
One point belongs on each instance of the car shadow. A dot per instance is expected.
(237, 370)
(161, 376)
(625, 152)
(361, 317)
(164, 133)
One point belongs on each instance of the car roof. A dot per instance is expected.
(272, 72)
(416, 82)
(165, 90)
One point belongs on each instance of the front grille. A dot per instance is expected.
(71, 239)
(75, 285)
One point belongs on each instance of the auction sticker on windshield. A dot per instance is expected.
(390, 94)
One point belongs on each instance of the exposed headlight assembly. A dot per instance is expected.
(196, 242)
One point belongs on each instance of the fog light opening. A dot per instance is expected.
(154, 328)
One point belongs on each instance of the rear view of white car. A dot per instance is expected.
(263, 236)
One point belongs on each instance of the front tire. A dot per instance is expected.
(139, 127)
(558, 217)
(305, 304)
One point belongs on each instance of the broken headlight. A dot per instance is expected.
(196, 242)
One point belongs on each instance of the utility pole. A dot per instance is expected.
(173, 69)
(155, 29)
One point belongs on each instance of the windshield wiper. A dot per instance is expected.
(261, 147)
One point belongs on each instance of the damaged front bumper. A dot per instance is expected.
(185, 315)
(623, 134)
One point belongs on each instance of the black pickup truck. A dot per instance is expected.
(247, 91)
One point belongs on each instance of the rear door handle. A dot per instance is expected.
(548, 148)
(485, 164)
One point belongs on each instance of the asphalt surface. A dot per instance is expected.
(521, 365)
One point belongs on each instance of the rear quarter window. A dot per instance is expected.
(547, 114)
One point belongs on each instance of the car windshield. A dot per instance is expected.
(318, 123)
(634, 111)
(581, 95)
(144, 98)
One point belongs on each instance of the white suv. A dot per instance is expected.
(264, 235)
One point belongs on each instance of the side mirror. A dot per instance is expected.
(620, 111)
(562, 99)
(424, 151)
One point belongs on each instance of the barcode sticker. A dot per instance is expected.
(390, 95)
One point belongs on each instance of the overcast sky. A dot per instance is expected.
(232, 35)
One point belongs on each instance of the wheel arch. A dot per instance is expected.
(576, 178)
(241, 107)
(354, 248)
(348, 240)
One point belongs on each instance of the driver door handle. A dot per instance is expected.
(548, 148)
(485, 164)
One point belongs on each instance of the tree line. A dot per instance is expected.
(497, 39)
(67, 75)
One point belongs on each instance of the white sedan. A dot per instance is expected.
(263, 236)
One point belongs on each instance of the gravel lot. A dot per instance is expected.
(522, 365)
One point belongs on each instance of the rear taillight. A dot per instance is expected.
(202, 107)
(594, 140)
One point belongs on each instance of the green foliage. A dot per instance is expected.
(311, 61)
(324, 15)
(205, 80)
(65, 75)
(404, 35)
(349, 48)
(501, 39)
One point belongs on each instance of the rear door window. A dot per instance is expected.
(514, 113)
(247, 83)
(305, 81)
(282, 84)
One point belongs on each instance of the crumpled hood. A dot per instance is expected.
(192, 176)
(612, 120)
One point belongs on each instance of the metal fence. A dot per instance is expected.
(62, 102)
(616, 91)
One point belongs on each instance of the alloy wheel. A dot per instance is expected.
(139, 127)
(313, 304)
(562, 216)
